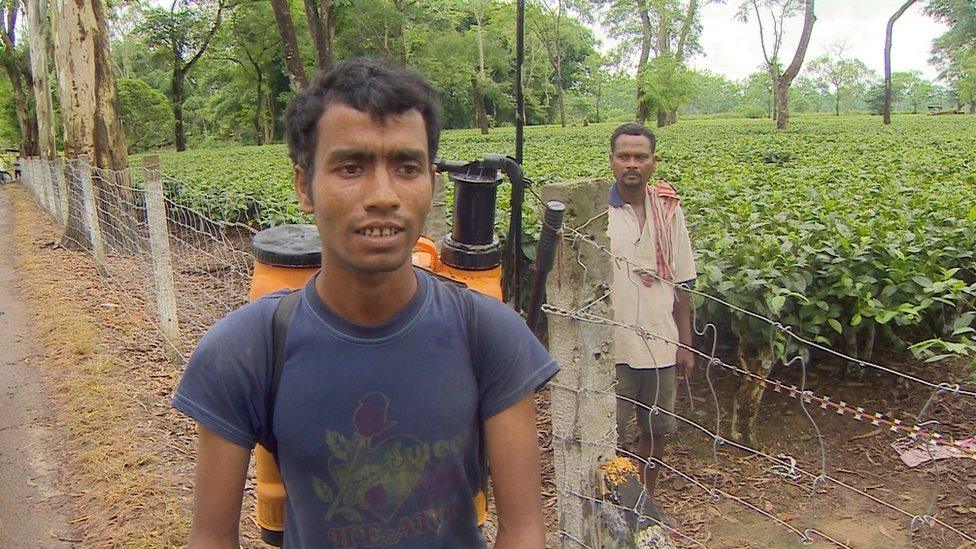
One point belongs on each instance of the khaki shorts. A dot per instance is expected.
(649, 386)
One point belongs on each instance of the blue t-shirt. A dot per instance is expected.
(378, 427)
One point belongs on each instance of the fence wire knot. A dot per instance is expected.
(949, 388)
(786, 467)
(919, 520)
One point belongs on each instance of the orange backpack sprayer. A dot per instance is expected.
(287, 256)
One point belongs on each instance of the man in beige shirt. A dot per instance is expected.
(647, 227)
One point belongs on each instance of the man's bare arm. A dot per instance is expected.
(682, 318)
(513, 452)
(220, 475)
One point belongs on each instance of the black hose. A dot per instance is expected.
(545, 257)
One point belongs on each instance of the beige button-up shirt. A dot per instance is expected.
(650, 307)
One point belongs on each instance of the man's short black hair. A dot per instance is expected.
(632, 128)
(375, 87)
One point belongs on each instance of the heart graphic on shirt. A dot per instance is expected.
(377, 478)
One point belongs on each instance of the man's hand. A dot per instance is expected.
(685, 362)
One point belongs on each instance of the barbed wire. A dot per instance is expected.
(783, 464)
(789, 464)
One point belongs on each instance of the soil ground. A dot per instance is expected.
(129, 456)
(32, 499)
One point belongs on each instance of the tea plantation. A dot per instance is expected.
(842, 228)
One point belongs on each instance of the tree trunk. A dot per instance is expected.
(293, 58)
(561, 104)
(259, 111)
(782, 104)
(837, 103)
(27, 123)
(110, 149)
(38, 39)
(748, 397)
(784, 81)
(177, 84)
(269, 120)
(663, 44)
(481, 47)
(401, 6)
(320, 25)
(75, 233)
(599, 94)
(90, 115)
(642, 113)
(867, 349)
(328, 24)
(478, 100)
(886, 109)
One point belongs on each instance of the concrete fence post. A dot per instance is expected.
(161, 257)
(583, 407)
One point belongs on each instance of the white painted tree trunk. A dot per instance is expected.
(90, 108)
(37, 35)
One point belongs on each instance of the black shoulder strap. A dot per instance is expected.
(279, 331)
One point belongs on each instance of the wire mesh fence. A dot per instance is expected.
(190, 269)
(106, 213)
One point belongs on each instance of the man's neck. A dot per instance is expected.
(366, 299)
(633, 195)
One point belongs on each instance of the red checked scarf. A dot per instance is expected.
(661, 205)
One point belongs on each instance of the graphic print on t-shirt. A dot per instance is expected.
(374, 471)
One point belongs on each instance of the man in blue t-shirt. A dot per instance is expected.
(393, 379)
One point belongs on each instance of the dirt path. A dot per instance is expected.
(31, 501)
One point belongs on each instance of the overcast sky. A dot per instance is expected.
(732, 47)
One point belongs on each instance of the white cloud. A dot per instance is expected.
(732, 48)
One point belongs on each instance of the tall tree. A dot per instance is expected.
(645, 53)
(839, 75)
(38, 37)
(914, 88)
(252, 48)
(88, 90)
(321, 24)
(293, 57)
(886, 109)
(18, 72)
(182, 34)
(89, 107)
(778, 12)
(955, 51)
(549, 28)
(554, 28)
(479, 80)
(667, 28)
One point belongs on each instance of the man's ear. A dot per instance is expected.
(303, 188)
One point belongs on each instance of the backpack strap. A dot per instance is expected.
(283, 312)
